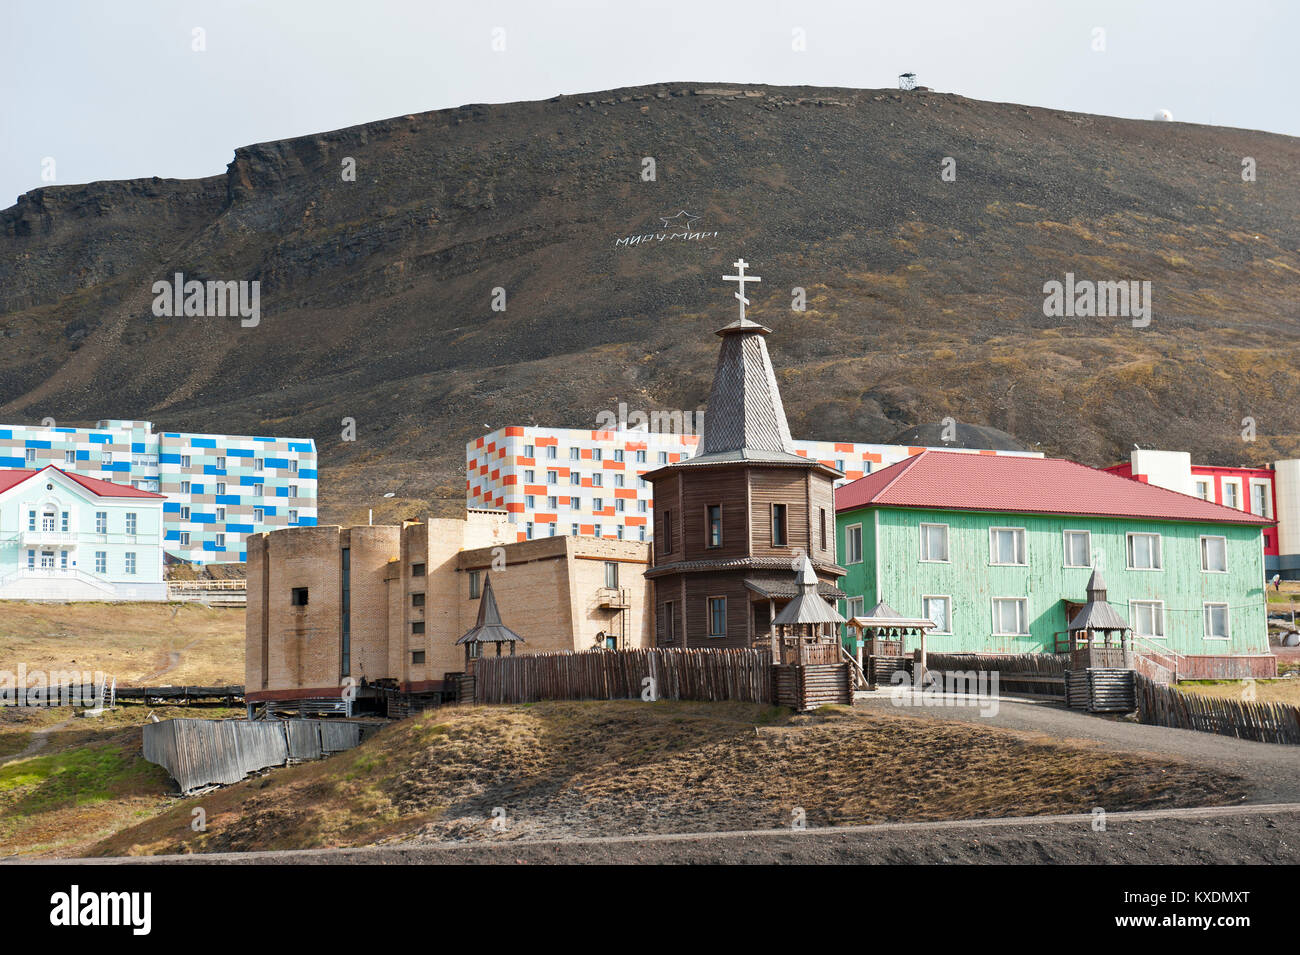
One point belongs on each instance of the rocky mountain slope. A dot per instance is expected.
(924, 296)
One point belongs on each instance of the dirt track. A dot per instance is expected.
(1237, 835)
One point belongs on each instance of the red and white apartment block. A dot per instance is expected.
(568, 481)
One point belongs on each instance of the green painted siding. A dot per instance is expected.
(891, 543)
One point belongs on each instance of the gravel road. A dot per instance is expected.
(1219, 835)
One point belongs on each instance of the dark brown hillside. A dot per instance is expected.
(924, 297)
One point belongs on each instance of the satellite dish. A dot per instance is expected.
(1164, 116)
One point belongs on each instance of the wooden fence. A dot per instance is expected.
(743, 675)
(200, 753)
(1038, 663)
(1159, 705)
(1036, 675)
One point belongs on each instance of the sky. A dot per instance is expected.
(117, 89)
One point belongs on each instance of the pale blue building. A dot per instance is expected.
(64, 536)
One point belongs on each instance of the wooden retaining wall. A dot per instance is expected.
(200, 753)
(1159, 705)
(743, 675)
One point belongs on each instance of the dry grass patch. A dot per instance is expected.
(1266, 691)
(139, 643)
(611, 768)
(87, 780)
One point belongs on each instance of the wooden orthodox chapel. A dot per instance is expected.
(734, 523)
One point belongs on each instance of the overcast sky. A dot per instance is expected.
(115, 90)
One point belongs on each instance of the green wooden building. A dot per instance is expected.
(998, 550)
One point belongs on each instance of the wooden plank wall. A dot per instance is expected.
(742, 675)
(200, 753)
(1037, 663)
(1160, 705)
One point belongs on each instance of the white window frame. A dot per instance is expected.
(1242, 503)
(1208, 484)
(1268, 497)
(1159, 553)
(1205, 620)
(1065, 548)
(1132, 615)
(849, 528)
(947, 598)
(993, 609)
(1218, 537)
(947, 543)
(1024, 548)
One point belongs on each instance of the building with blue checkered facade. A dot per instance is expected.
(219, 488)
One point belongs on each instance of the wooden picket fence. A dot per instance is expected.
(1159, 705)
(743, 675)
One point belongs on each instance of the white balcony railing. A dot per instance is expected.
(48, 539)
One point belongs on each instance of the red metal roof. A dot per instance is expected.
(12, 477)
(980, 482)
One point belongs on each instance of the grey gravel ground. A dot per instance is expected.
(1272, 770)
(1234, 835)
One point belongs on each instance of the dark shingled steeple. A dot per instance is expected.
(489, 628)
(744, 410)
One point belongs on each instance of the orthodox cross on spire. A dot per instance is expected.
(740, 278)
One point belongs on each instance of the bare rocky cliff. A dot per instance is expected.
(924, 296)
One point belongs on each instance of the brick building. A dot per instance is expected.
(332, 606)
